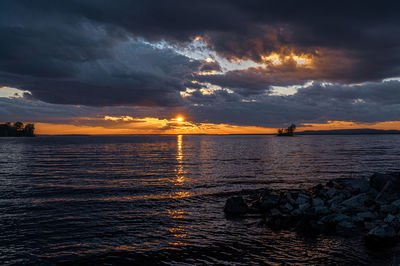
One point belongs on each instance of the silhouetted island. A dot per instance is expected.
(287, 132)
(17, 129)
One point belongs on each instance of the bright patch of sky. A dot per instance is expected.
(391, 79)
(8, 92)
(288, 90)
(198, 50)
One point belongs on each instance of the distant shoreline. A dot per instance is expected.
(302, 133)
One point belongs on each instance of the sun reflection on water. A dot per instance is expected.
(180, 173)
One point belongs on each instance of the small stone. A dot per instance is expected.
(356, 203)
(341, 217)
(287, 207)
(336, 199)
(289, 197)
(331, 192)
(362, 216)
(296, 212)
(317, 202)
(389, 218)
(302, 198)
(396, 203)
(304, 207)
(396, 223)
(388, 208)
(321, 210)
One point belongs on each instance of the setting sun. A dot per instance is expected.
(179, 119)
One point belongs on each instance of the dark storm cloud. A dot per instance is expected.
(97, 53)
(369, 102)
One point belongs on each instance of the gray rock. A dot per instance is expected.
(331, 192)
(396, 203)
(304, 206)
(290, 199)
(321, 210)
(371, 224)
(378, 180)
(383, 234)
(396, 223)
(362, 216)
(389, 192)
(269, 201)
(389, 218)
(235, 206)
(334, 208)
(317, 202)
(302, 198)
(356, 203)
(341, 217)
(336, 199)
(372, 193)
(388, 208)
(287, 207)
(356, 185)
(296, 212)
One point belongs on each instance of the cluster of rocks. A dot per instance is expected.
(346, 207)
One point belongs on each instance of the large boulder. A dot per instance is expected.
(378, 180)
(235, 206)
(389, 192)
(336, 199)
(366, 216)
(356, 185)
(381, 235)
(355, 204)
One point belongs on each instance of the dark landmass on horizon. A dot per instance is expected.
(363, 131)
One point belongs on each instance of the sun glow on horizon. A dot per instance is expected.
(128, 125)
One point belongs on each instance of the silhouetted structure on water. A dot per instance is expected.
(284, 132)
(17, 129)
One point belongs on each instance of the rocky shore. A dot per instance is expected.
(345, 207)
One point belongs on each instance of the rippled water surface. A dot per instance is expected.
(159, 199)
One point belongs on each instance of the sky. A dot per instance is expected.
(210, 66)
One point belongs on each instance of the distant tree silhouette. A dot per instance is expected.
(18, 129)
(29, 130)
(287, 131)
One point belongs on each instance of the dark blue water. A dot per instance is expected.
(159, 199)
